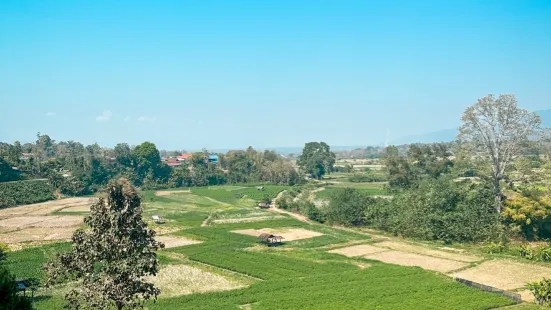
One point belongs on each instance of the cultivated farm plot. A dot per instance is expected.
(358, 250)
(173, 242)
(405, 247)
(291, 234)
(178, 280)
(418, 260)
(505, 274)
(212, 267)
(45, 208)
(36, 222)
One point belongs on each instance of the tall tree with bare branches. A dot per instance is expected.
(497, 128)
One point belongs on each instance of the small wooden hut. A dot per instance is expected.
(270, 239)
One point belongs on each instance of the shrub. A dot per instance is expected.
(439, 209)
(366, 177)
(309, 210)
(347, 207)
(494, 248)
(541, 291)
(527, 252)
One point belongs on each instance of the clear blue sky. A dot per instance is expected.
(225, 74)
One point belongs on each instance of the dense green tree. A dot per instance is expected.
(347, 207)
(316, 159)
(110, 258)
(124, 155)
(9, 297)
(6, 172)
(399, 171)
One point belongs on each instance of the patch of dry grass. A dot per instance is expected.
(45, 208)
(412, 259)
(177, 280)
(505, 274)
(167, 193)
(358, 250)
(37, 234)
(173, 242)
(406, 247)
(247, 219)
(287, 234)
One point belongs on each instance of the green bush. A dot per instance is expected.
(541, 291)
(527, 252)
(24, 192)
(439, 209)
(366, 177)
(347, 206)
(494, 248)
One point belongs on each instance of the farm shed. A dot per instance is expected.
(269, 238)
(264, 205)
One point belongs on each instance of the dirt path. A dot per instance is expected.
(312, 195)
(274, 208)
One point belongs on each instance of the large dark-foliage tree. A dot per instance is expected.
(316, 159)
(9, 297)
(347, 207)
(110, 258)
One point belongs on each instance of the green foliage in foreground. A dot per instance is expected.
(541, 291)
(24, 192)
(9, 297)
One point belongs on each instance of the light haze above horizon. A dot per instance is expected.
(229, 74)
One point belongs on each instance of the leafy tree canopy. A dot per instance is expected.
(110, 258)
(316, 159)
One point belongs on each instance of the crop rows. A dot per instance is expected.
(379, 287)
(230, 196)
(24, 192)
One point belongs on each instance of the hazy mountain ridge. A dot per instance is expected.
(447, 135)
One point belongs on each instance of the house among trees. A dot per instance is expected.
(213, 159)
(184, 157)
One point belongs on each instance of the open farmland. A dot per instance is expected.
(221, 265)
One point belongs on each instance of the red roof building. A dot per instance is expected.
(185, 156)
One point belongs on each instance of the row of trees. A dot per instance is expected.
(75, 169)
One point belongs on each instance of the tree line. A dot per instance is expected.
(492, 183)
(75, 169)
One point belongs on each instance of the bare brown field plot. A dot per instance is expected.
(247, 219)
(412, 259)
(504, 274)
(37, 234)
(45, 208)
(177, 280)
(173, 242)
(358, 250)
(287, 234)
(167, 193)
(406, 247)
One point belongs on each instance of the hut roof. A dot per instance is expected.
(265, 236)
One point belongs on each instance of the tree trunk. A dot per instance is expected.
(497, 195)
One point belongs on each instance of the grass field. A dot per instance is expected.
(230, 270)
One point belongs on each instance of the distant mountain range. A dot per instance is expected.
(448, 135)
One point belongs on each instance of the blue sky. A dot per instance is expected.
(228, 74)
